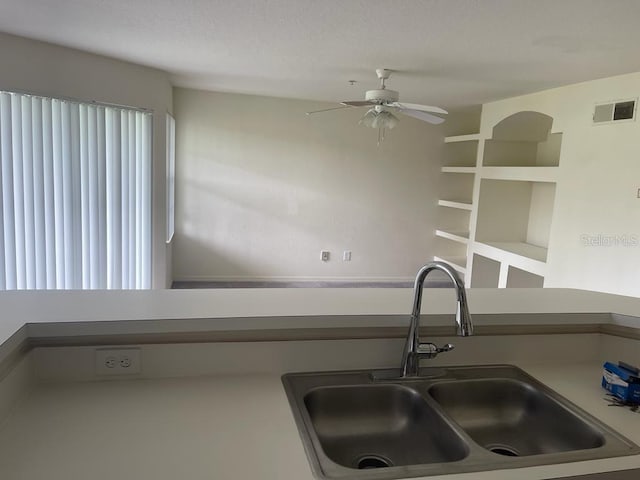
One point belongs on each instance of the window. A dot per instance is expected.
(75, 202)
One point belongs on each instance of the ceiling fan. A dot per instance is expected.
(383, 103)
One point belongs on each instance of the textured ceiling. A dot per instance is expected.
(446, 52)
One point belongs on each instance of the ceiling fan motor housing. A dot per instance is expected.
(382, 96)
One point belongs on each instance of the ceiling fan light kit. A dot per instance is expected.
(383, 102)
(379, 118)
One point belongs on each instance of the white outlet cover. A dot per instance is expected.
(121, 361)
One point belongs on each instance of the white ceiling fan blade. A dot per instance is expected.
(424, 116)
(416, 106)
(327, 109)
(358, 103)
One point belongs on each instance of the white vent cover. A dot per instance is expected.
(622, 110)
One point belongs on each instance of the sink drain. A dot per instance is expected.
(505, 450)
(372, 461)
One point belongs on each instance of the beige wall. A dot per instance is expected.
(261, 189)
(45, 69)
(596, 193)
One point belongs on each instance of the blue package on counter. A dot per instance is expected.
(623, 381)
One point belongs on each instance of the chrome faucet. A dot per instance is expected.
(413, 349)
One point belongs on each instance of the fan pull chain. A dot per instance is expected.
(380, 136)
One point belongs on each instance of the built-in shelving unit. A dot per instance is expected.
(496, 204)
(516, 181)
(456, 200)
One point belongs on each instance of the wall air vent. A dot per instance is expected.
(623, 110)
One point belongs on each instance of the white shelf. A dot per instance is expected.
(460, 237)
(458, 169)
(460, 204)
(458, 263)
(524, 256)
(462, 138)
(525, 174)
(523, 249)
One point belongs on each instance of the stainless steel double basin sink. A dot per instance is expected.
(371, 424)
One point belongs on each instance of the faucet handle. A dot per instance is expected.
(431, 350)
(447, 347)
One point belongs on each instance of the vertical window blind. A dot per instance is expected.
(171, 176)
(75, 205)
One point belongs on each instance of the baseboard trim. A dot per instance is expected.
(294, 278)
(327, 282)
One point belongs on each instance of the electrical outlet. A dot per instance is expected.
(123, 361)
(324, 255)
(346, 256)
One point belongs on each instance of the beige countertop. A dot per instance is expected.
(220, 427)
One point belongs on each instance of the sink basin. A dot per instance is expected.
(371, 426)
(375, 425)
(512, 418)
